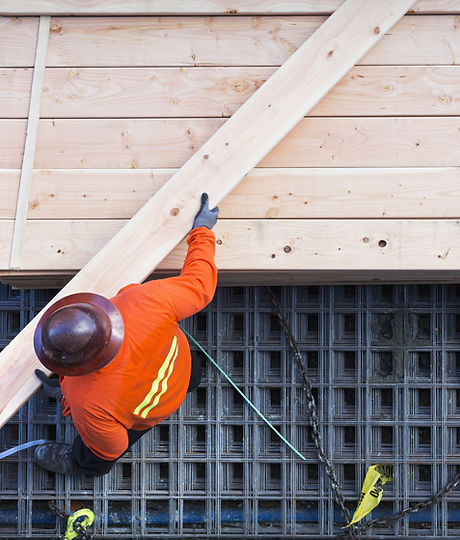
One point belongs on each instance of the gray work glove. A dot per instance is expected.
(205, 217)
(51, 387)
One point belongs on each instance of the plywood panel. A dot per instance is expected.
(195, 92)
(270, 244)
(18, 36)
(168, 41)
(264, 193)
(130, 7)
(168, 143)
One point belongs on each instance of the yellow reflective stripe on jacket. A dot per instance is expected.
(164, 387)
(160, 377)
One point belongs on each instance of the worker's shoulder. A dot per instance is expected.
(126, 288)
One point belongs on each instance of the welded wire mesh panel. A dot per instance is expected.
(385, 366)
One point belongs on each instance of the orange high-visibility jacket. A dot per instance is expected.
(148, 379)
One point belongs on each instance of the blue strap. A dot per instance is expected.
(244, 396)
(24, 446)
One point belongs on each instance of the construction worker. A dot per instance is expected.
(124, 363)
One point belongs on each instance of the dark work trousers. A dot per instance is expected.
(86, 462)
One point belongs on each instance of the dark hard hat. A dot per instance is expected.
(79, 334)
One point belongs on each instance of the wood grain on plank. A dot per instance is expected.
(18, 37)
(268, 244)
(265, 193)
(191, 41)
(168, 143)
(9, 183)
(216, 168)
(6, 236)
(219, 92)
(211, 7)
(15, 85)
(369, 142)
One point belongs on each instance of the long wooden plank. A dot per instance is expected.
(28, 156)
(279, 244)
(192, 41)
(217, 168)
(91, 41)
(219, 92)
(168, 143)
(206, 7)
(265, 193)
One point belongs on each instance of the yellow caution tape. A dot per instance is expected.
(371, 493)
(85, 518)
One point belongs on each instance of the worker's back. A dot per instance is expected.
(148, 379)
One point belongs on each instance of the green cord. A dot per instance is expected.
(244, 396)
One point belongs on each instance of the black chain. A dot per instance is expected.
(311, 405)
(82, 534)
(336, 488)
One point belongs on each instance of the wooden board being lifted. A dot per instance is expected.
(216, 168)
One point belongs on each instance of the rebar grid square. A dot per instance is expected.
(384, 362)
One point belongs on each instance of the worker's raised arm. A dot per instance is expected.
(190, 292)
(196, 285)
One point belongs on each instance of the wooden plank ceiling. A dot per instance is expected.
(128, 100)
(218, 166)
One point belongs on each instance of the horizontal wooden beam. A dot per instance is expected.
(431, 192)
(34, 280)
(203, 7)
(195, 41)
(222, 41)
(217, 168)
(168, 143)
(220, 91)
(266, 245)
